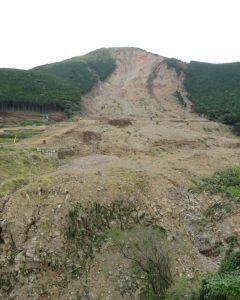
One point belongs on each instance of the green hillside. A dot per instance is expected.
(34, 91)
(56, 86)
(101, 61)
(75, 73)
(214, 90)
(83, 72)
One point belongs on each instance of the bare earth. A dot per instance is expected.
(167, 147)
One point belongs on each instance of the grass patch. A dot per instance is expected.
(119, 236)
(19, 134)
(218, 210)
(126, 180)
(209, 130)
(6, 140)
(34, 122)
(18, 165)
(42, 185)
(12, 184)
(96, 218)
(226, 181)
(225, 284)
(202, 140)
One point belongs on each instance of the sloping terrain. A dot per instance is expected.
(34, 91)
(141, 86)
(214, 90)
(54, 87)
(75, 191)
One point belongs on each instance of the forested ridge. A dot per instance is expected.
(56, 86)
(214, 89)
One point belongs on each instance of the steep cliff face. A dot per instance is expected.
(141, 85)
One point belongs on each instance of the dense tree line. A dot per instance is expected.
(214, 89)
(56, 86)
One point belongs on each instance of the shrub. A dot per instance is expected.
(219, 287)
(178, 290)
(225, 285)
(231, 263)
(149, 257)
(179, 97)
(236, 129)
(226, 181)
(173, 63)
(72, 223)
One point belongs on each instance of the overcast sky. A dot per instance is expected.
(35, 32)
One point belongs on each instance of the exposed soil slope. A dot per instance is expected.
(150, 162)
(141, 86)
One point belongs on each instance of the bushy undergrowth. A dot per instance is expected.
(20, 134)
(231, 263)
(18, 165)
(87, 227)
(225, 284)
(226, 181)
(148, 253)
(33, 122)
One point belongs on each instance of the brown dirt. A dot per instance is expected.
(155, 159)
(15, 118)
(141, 86)
(89, 136)
(120, 122)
